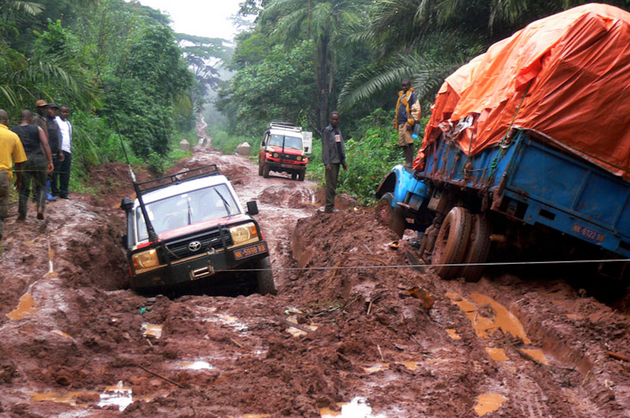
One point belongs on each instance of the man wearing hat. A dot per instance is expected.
(39, 118)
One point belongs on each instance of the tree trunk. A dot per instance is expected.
(321, 74)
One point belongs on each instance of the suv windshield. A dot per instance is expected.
(187, 209)
(293, 142)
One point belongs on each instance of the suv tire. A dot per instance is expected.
(265, 172)
(264, 277)
(301, 175)
(260, 168)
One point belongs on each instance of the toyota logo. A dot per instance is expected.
(194, 246)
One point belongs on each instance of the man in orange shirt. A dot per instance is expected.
(11, 151)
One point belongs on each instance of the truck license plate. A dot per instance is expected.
(242, 253)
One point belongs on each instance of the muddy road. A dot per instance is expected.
(358, 329)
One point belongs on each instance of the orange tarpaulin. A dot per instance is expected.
(566, 77)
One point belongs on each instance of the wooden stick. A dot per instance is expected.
(161, 377)
(617, 356)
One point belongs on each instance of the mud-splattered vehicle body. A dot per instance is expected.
(284, 148)
(200, 231)
(525, 193)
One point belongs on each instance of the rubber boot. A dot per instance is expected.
(48, 195)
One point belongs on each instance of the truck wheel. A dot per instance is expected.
(393, 218)
(265, 172)
(264, 277)
(478, 248)
(260, 168)
(452, 242)
(301, 175)
(293, 176)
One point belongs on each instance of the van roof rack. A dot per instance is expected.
(195, 173)
(284, 125)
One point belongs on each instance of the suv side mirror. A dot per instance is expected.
(252, 207)
(126, 204)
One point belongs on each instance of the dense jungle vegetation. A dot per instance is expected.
(303, 58)
(120, 68)
(126, 74)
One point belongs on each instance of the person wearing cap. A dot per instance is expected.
(54, 140)
(39, 161)
(11, 152)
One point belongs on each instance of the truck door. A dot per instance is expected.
(307, 142)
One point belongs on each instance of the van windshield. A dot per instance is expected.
(293, 142)
(187, 209)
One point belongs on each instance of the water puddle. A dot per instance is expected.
(497, 354)
(51, 271)
(152, 330)
(71, 398)
(536, 354)
(118, 395)
(411, 365)
(297, 332)
(488, 403)
(61, 333)
(502, 318)
(357, 408)
(26, 306)
(453, 334)
(195, 365)
(233, 322)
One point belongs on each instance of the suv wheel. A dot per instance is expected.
(301, 175)
(265, 172)
(264, 277)
(260, 168)
(293, 176)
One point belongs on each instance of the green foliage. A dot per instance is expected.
(277, 89)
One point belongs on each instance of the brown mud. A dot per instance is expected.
(359, 328)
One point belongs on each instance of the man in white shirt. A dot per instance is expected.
(62, 175)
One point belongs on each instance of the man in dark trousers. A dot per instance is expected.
(333, 156)
(11, 152)
(38, 163)
(54, 140)
(65, 134)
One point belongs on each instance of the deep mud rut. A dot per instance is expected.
(357, 329)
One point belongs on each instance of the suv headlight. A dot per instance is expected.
(299, 158)
(244, 234)
(145, 260)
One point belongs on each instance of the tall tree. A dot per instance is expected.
(327, 23)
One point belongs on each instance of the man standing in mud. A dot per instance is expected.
(333, 156)
(407, 114)
(39, 163)
(65, 132)
(11, 151)
(54, 140)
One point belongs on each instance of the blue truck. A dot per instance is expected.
(524, 192)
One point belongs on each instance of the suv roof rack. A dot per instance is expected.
(195, 173)
(284, 125)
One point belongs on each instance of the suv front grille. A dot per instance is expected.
(180, 249)
(289, 157)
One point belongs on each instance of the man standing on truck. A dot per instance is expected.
(333, 155)
(407, 114)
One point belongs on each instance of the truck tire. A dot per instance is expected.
(478, 248)
(452, 242)
(301, 175)
(393, 218)
(264, 277)
(260, 168)
(265, 172)
(293, 176)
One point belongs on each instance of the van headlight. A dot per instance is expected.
(145, 260)
(244, 234)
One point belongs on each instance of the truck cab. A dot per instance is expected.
(285, 148)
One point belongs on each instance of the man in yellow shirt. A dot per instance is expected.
(11, 151)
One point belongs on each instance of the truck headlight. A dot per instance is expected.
(244, 234)
(275, 155)
(145, 260)
(299, 158)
